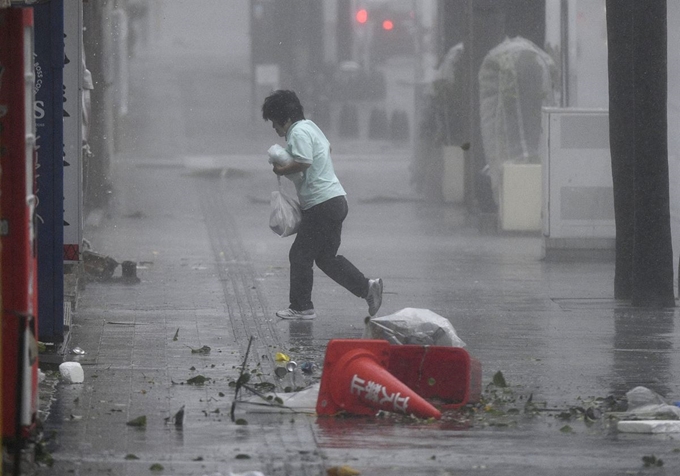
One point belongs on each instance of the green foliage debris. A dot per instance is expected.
(139, 422)
(205, 350)
(499, 380)
(652, 461)
(198, 380)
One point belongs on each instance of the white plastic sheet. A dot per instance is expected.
(516, 79)
(645, 404)
(413, 326)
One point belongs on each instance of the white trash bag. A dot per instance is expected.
(645, 404)
(413, 326)
(279, 155)
(286, 215)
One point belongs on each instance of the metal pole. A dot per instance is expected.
(564, 51)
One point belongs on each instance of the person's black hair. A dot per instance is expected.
(282, 105)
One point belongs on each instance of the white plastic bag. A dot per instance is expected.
(413, 326)
(279, 155)
(645, 404)
(285, 216)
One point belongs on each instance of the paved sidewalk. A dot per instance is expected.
(213, 274)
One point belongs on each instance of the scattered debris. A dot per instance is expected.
(131, 456)
(651, 460)
(198, 380)
(176, 335)
(99, 266)
(71, 372)
(281, 357)
(645, 404)
(205, 350)
(156, 467)
(240, 382)
(129, 269)
(247, 473)
(342, 471)
(139, 422)
(177, 419)
(303, 401)
(413, 326)
(649, 426)
(308, 367)
(499, 380)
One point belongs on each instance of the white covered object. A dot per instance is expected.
(279, 155)
(413, 326)
(645, 404)
(72, 372)
(516, 79)
(649, 426)
(303, 401)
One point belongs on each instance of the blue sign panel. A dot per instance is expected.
(49, 64)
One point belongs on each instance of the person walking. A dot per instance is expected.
(324, 207)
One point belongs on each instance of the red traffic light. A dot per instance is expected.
(362, 16)
(387, 25)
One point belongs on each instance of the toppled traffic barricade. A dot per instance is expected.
(447, 377)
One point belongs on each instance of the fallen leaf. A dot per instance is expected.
(138, 422)
(176, 334)
(342, 471)
(281, 357)
(652, 460)
(198, 380)
(499, 380)
(205, 350)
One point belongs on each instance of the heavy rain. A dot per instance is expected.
(482, 315)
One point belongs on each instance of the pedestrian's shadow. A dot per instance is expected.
(642, 349)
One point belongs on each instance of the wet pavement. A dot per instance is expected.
(191, 207)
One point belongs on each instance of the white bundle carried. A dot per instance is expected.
(279, 155)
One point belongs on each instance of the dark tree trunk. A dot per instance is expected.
(636, 34)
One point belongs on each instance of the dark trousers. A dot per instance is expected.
(318, 240)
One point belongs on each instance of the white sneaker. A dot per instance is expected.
(374, 297)
(293, 314)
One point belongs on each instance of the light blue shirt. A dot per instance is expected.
(307, 144)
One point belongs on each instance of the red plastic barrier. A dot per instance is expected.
(356, 381)
(448, 375)
(17, 236)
